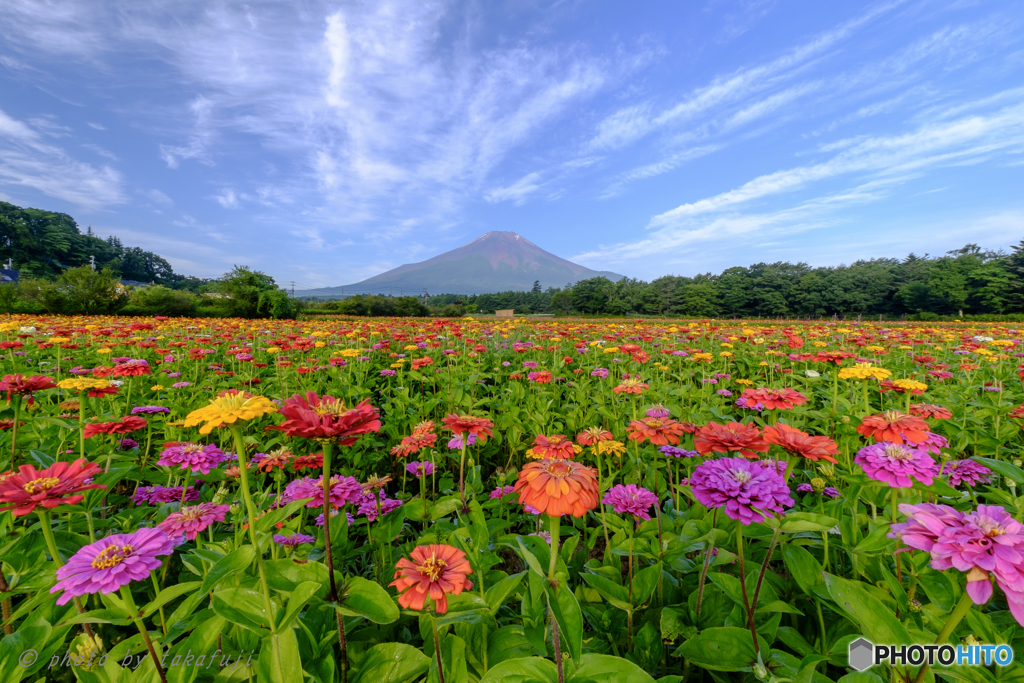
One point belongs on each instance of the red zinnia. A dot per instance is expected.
(732, 436)
(894, 427)
(314, 462)
(434, 571)
(930, 410)
(660, 430)
(29, 487)
(460, 424)
(794, 441)
(773, 399)
(554, 447)
(21, 385)
(325, 417)
(591, 435)
(125, 425)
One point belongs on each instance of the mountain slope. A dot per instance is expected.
(494, 262)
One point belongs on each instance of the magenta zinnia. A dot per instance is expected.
(189, 521)
(897, 465)
(966, 472)
(747, 490)
(192, 456)
(986, 543)
(630, 499)
(343, 490)
(112, 562)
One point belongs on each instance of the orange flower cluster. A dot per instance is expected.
(630, 386)
(895, 427)
(558, 487)
(422, 436)
(554, 447)
(461, 424)
(660, 430)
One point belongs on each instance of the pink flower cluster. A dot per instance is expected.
(343, 490)
(112, 562)
(190, 521)
(966, 472)
(630, 499)
(897, 465)
(193, 456)
(746, 489)
(985, 543)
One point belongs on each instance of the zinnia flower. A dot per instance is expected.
(966, 472)
(479, 427)
(316, 417)
(930, 410)
(112, 562)
(414, 443)
(794, 441)
(131, 368)
(25, 386)
(554, 447)
(591, 435)
(419, 469)
(192, 456)
(558, 487)
(502, 491)
(190, 521)
(229, 407)
(58, 484)
(293, 540)
(434, 571)
(630, 385)
(894, 426)
(985, 543)
(896, 464)
(158, 495)
(149, 410)
(730, 437)
(745, 490)
(343, 490)
(660, 430)
(771, 399)
(677, 452)
(630, 499)
(125, 425)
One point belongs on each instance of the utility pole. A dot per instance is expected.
(293, 289)
(10, 264)
(92, 262)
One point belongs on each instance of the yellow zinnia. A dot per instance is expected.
(83, 383)
(228, 409)
(910, 385)
(864, 371)
(613, 447)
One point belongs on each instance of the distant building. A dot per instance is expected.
(505, 313)
(9, 275)
(135, 283)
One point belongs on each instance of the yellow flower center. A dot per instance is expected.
(111, 556)
(898, 452)
(40, 485)
(892, 415)
(554, 440)
(433, 568)
(653, 423)
(742, 476)
(559, 469)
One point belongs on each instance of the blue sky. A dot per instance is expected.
(327, 142)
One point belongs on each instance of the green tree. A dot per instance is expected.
(78, 291)
(247, 293)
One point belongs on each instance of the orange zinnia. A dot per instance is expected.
(414, 443)
(460, 424)
(434, 571)
(895, 427)
(630, 386)
(732, 436)
(591, 435)
(794, 441)
(554, 447)
(558, 487)
(930, 410)
(660, 430)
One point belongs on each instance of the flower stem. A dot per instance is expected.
(554, 525)
(959, 612)
(250, 509)
(16, 402)
(558, 644)
(51, 545)
(462, 469)
(437, 649)
(743, 585)
(126, 595)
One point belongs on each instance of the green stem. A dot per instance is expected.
(126, 595)
(16, 402)
(437, 649)
(51, 545)
(959, 612)
(554, 525)
(743, 585)
(250, 509)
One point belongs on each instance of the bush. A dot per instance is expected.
(160, 300)
(78, 291)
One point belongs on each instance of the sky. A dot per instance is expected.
(326, 142)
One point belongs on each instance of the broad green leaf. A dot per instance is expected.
(522, 670)
(244, 607)
(235, 562)
(725, 648)
(617, 595)
(864, 609)
(279, 660)
(296, 601)
(570, 619)
(1008, 470)
(795, 522)
(203, 640)
(168, 594)
(391, 663)
(29, 637)
(805, 569)
(499, 592)
(364, 598)
(596, 668)
(508, 642)
(645, 582)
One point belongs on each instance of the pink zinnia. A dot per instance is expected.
(630, 499)
(897, 465)
(343, 490)
(502, 491)
(933, 443)
(984, 543)
(746, 489)
(193, 456)
(112, 562)
(158, 495)
(966, 472)
(190, 521)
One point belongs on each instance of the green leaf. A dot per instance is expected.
(267, 521)
(445, 507)
(391, 663)
(12, 647)
(569, 617)
(778, 606)
(203, 640)
(285, 575)
(235, 562)
(100, 616)
(864, 609)
(795, 522)
(724, 648)
(530, 558)
(499, 592)
(244, 607)
(168, 594)
(364, 598)
(939, 589)
(596, 668)
(617, 595)
(508, 642)
(645, 582)
(453, 657)
(805, 569)
(279, 660)
(522, 670)
(296, 601)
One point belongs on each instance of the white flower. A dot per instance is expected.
(812, 373)
(27, 329)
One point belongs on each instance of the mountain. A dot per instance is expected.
(496, 261)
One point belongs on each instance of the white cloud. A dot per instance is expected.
(227, 198)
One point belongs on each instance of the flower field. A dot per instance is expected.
(458, 500)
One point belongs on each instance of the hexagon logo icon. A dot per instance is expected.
(861, 654)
